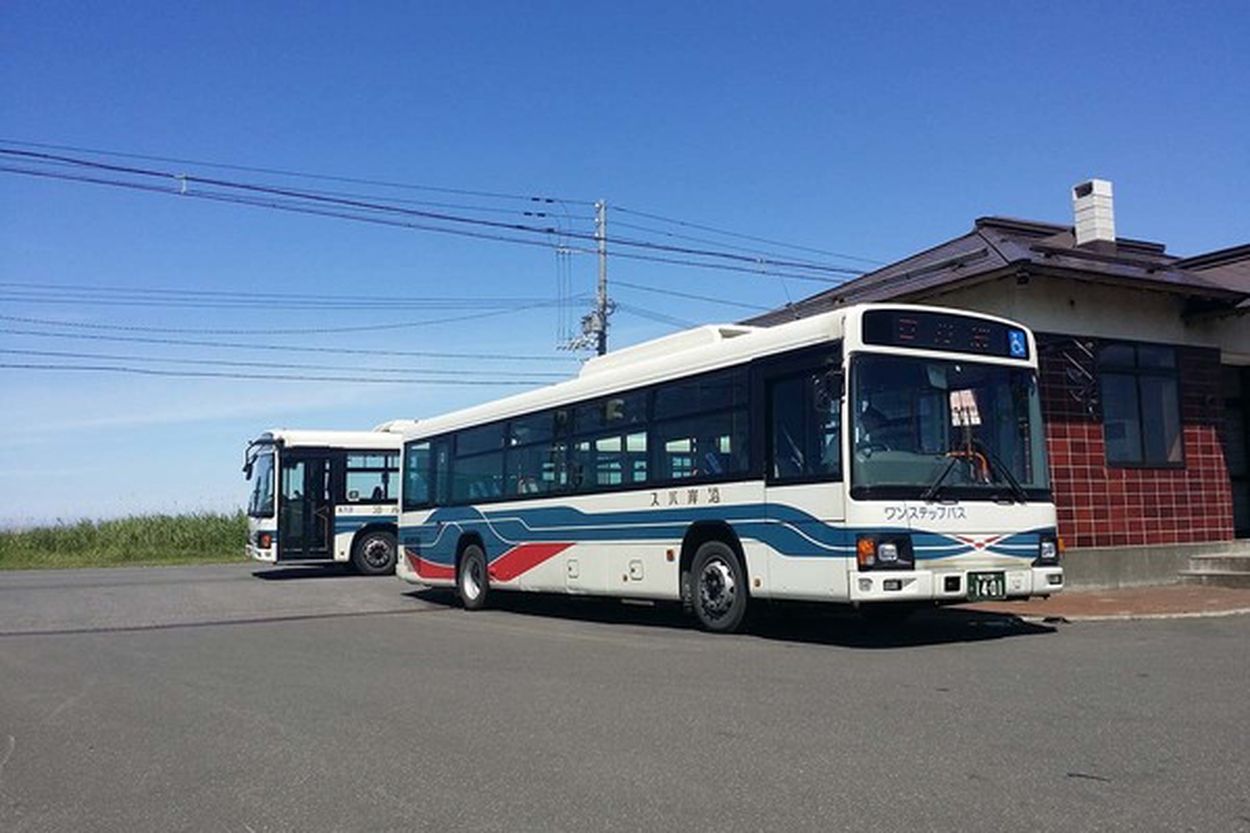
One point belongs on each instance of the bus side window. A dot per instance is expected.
(440, 471)
(367, 477)
(416, 475)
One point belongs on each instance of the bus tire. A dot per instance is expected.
(718, 587)
(472, 580)
(374, 553)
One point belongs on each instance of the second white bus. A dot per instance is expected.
(324, 496)
(883, 456)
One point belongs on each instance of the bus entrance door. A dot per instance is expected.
(306, 513)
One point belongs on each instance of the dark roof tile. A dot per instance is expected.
(1000, 244)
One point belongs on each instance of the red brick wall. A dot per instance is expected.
(1102, 506)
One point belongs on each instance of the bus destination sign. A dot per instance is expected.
(943, 331)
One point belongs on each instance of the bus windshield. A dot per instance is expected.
(260, 504)
(937, 429)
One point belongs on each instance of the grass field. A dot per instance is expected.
(142, 539)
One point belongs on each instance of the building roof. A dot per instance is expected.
(998, 246)
(1228, 267)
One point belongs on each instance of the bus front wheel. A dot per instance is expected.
(472, 581)
(718, 588)
(374, 553)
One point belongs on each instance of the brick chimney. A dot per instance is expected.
(1094, 212)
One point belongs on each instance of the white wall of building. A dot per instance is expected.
(1061, 305)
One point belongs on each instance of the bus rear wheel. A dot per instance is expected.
(374, 553)
(718, 588)
(472, 581)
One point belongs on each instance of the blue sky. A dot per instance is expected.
(873, 130)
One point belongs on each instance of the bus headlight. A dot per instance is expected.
(1048, 550)
(264, 541)
(884, 552)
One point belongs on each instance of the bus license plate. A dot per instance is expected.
(985, 586)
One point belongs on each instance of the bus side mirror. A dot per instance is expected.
(247, 469)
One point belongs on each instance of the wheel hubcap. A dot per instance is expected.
(717, 588)
(377, 552)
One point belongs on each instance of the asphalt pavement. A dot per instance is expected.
(241, 699)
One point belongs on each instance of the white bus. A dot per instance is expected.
(878, 455)
(324, 496)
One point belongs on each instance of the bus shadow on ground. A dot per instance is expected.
(305, 571)
(780, 622)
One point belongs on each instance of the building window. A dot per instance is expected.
(1141, 410)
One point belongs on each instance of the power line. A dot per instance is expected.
(759, 270)
(60, 354)
(708, 240)
(742, 236)
(311, 196)
(721, 267)
(643, 312)
(270, 331)
(237, 199)
(530, 211)
(19, 290)
(673, 293)
(284, 304)
(283, 296)
(284, 348)
(545, 200)
(276, 377)
(530, 198)
(442, 217)
(484, 209)
(383, 183)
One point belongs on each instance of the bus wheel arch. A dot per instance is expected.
(713, 550)
(472, 577)
(375, 549)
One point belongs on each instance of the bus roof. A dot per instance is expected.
(378, 438)
(684, 353)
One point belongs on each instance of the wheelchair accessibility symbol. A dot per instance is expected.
(1018, 345)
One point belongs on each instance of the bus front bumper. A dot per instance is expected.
(950, 585)
(269, 556)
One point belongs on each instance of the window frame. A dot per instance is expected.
(769, 433)
(1137, 372)
(389, 476)
(566, 432)
(752, 376)
(655, 447)
(404, 504)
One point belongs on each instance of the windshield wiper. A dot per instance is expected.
(995, 461)
(930, 493)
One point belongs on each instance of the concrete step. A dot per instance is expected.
(1220, 563)
(1215, 578)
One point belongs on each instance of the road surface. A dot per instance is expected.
(233, 698)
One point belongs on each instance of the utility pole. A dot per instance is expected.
(595, 323)
(601, 298)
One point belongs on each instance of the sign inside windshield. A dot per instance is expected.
(964, 408)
